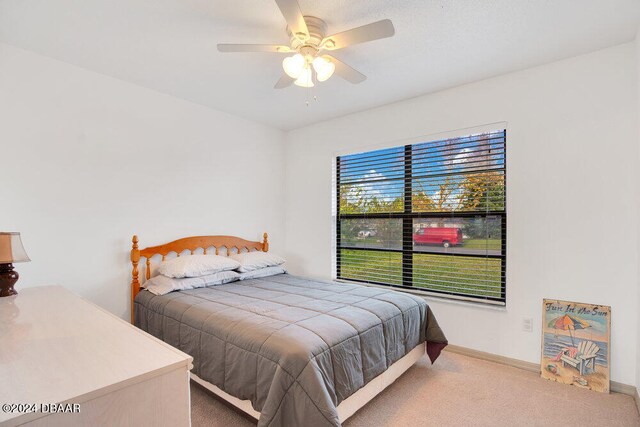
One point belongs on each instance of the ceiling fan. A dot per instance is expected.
(309, 43)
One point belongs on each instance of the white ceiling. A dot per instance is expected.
(170, 46)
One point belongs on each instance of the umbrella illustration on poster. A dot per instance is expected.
(569, 323)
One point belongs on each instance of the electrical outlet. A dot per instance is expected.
(527, 324)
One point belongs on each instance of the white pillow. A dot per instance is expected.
(262, 272)
(250, 261)
(161, 285)
(196, 265)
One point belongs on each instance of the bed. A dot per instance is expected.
(285, 349)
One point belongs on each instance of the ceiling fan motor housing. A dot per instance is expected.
(317, 31)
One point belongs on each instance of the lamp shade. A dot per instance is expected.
(11, 249)
(294, 65)
(324, 68)
(305, 79)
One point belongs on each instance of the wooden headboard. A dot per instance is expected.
(187, 244)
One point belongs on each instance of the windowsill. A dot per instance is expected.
(451, 299)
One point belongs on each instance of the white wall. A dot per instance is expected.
(572, 193)
(637, 43)
(88, 160)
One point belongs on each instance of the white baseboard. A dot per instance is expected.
(616, 387)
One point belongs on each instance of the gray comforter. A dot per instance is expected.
(294, 347)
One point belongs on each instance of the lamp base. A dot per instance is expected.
(8, 278)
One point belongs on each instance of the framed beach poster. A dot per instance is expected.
(575, 344)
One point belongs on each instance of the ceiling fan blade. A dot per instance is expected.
(290, 9)
(373, 31)
(253, 48)
(346, 72)
(285, 81)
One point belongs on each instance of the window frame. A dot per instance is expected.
(408, 216)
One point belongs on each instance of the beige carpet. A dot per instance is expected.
(461, 391)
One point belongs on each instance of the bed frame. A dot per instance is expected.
(346, 408)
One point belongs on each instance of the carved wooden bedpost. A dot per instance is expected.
(135, 284)
(265, 243)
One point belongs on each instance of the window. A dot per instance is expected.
(428, 216)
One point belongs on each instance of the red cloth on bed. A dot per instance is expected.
(434, 349)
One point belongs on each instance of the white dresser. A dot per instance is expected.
(56, 347)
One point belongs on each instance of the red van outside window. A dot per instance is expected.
(445, 236)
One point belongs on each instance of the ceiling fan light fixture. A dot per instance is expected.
(324, 68)
(307, 39)
(305, 79)
(294, 65)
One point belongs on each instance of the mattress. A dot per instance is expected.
(294, 347)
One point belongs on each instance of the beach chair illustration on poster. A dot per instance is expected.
(584, 358)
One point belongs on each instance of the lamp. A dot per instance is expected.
(305, 79)
(324, 68)
(298, 67)
(294, 65)
(11, 250)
